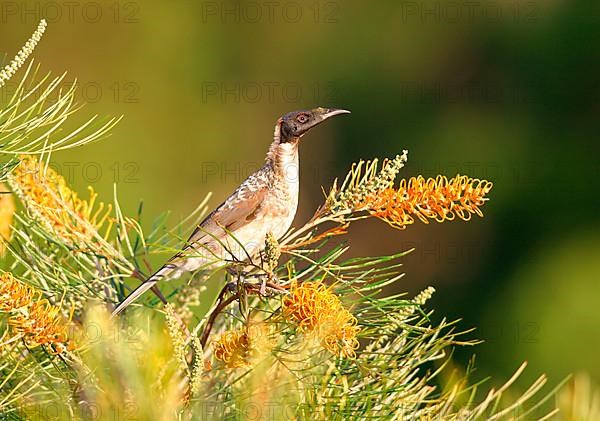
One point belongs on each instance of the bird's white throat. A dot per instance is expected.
(284, 159)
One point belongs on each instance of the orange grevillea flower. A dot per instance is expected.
(235, 348)
(317, 310)
(47, 196)
(36, 321)
(437, 198)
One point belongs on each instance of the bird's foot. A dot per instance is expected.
(263, 285)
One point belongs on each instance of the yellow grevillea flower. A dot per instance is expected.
(437, 198)
(36, 321)
(14, 294)
(235, 348)
(7, 211)
(40, 324)
(317, 310)
(47, 196)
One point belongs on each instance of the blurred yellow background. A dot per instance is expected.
(503, 90)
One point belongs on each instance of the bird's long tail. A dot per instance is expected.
(145, 286)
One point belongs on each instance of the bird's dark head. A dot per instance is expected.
(294, 125)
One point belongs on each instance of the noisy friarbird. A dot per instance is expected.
(264, 203)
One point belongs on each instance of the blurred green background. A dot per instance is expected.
(503, 90)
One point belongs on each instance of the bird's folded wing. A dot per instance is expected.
(237, 211)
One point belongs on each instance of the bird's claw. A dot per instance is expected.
(231, 287)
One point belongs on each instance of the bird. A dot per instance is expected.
(264, 203)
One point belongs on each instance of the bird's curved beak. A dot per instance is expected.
(320, 115)
(325, 113)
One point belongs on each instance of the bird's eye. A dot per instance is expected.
(302, 118)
